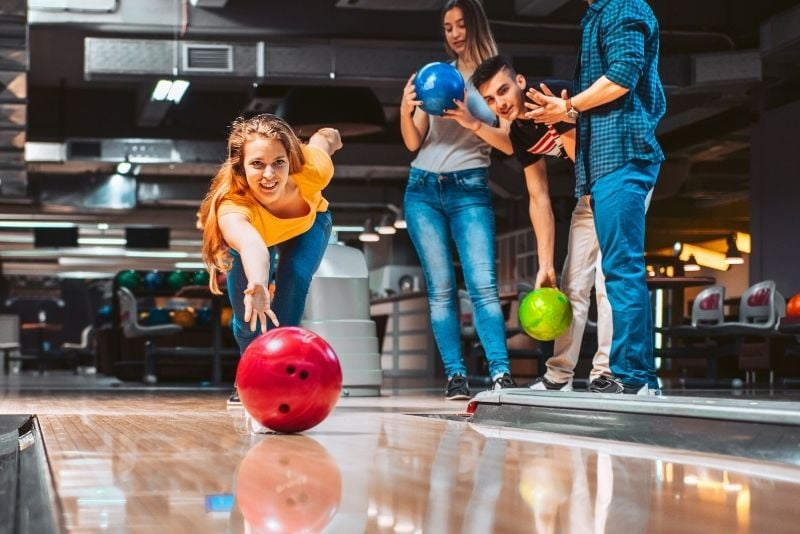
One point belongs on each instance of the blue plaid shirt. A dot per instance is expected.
(620, 40)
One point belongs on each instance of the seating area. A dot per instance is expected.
(153, 352)
(759, 339)
(79, 356)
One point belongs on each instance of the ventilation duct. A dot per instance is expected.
(345, 62)
(203, 58)
(85, 6)
(311, 62)
(727, 68)
(113, 58)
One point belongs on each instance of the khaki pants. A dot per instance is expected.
(581, 272)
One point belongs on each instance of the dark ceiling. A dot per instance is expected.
(721, 64)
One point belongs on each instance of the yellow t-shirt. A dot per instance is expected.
(315, 176)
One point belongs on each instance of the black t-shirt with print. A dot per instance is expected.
(532, 141)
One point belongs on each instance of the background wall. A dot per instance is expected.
(775, 193)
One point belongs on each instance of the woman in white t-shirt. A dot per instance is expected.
(447, 199)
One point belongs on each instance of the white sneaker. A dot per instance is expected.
(543, 384)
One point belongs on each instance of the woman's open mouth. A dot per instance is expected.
(268, 186)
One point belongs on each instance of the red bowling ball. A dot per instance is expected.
(793, 307)
(289, 379)
(288, 484)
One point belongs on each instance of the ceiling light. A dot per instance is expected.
(190, 265)
(169, 90)
(343, 228)
(368, 235)
(705, 257)
(733, 256)
(158, 254)
(101, 241)
(743, 242)
(177, 91)
(386, 226)
(124, 167)
(399, 220)
(35, 224)
(691, 264)
(161, 91)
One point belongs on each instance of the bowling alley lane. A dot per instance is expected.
(181, 462)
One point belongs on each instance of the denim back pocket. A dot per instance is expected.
(477, 180)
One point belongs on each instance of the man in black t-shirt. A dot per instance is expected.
(504, 91)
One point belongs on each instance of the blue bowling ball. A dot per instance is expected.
(158, 316)
(153, 281)
(203, 316)
(104, 314)
(437, 85)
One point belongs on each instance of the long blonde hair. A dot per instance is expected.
(480, 41)
(230, 183)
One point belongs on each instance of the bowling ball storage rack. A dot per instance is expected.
(152, 351)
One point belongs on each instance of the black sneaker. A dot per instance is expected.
(543, 384)
(457, 388)
(606, 384)
(503, 382)
(233, 400)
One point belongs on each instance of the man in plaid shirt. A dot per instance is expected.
(617, 105)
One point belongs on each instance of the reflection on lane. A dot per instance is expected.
(462, 478)
(288, 483)
(372, 471)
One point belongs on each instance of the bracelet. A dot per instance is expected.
(475, 130)
(570, 106)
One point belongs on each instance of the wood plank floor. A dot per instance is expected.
(181, 462)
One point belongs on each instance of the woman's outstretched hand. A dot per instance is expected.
(257, 303)
(328, 139)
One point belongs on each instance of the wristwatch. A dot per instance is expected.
(572, 113)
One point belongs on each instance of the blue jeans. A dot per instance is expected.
(457, 206)
(618, 201)
(297, 261)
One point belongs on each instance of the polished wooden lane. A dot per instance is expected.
(180, 462)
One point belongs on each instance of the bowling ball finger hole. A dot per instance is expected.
(283, 408)
(303, 375)
(290, 370)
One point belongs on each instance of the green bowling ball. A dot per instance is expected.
(545, 313)
(177, 279)
(200, 278)
(130, 279)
